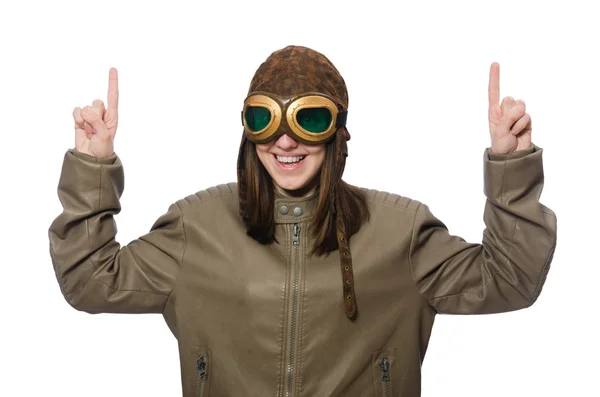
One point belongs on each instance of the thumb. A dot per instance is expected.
(95, 120)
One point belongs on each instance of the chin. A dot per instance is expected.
(290, 184)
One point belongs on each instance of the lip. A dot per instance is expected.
(288, 168)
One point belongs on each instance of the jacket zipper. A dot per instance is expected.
(201, 367)
(293, 323)
(384, 364)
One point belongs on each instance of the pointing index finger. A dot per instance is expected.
(113, 91)
(494, 84)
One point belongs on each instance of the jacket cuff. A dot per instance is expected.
(513, 155)
(510, 177)
(93, 159)
(97, 183)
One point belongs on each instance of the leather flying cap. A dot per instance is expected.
(295, 70)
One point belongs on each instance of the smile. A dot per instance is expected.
(289, 163)
(283, 159)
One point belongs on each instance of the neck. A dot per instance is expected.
(305, 191)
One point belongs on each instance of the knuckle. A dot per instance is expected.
(508, 103)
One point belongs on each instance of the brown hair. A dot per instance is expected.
(336, 197)
(342, 208)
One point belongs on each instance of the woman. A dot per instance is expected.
(292, 282)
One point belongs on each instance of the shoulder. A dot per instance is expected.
(391, 216)
(386, 201)
(223, 196)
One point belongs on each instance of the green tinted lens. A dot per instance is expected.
(257, 117)
(314, 119)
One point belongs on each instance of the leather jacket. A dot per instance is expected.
(266, 320)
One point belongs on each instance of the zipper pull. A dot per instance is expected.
(296, 238)
(201, 367)
(385, 370)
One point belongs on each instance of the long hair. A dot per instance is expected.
(336, 197)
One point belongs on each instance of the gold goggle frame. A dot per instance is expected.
(292, 105)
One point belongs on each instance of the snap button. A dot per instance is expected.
(284, 210)
(297, 211)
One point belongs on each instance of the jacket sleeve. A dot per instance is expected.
(94, 272)
(507, 270)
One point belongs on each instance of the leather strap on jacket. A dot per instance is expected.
(347, 273)
(342, 135)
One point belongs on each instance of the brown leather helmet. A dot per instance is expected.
(299, 92)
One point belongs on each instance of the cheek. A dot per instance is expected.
(319, 156)
(262, 148)
(262, 151)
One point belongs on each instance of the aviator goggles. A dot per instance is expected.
(311, 118)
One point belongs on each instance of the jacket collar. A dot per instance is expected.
(294, 209)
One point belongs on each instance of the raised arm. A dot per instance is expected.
(94, 272)
(507, 270)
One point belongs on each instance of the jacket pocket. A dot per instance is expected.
(202, 370)
(385, 373)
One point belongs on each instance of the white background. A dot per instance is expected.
(417, 73)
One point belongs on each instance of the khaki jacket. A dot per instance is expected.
(255, 320)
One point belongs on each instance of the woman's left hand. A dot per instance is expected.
(510, 125)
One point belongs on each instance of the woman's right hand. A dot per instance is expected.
(96, 126)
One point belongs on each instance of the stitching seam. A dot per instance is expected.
(180, 260)
(412, 237)
(87, 231)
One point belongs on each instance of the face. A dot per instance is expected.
(293, 166)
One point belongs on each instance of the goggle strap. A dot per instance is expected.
(341, 119)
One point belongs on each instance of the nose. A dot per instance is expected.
(286, 142)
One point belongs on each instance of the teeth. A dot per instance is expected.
(283, 159)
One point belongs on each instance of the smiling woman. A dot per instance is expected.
(294, 123)
(316, 262)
